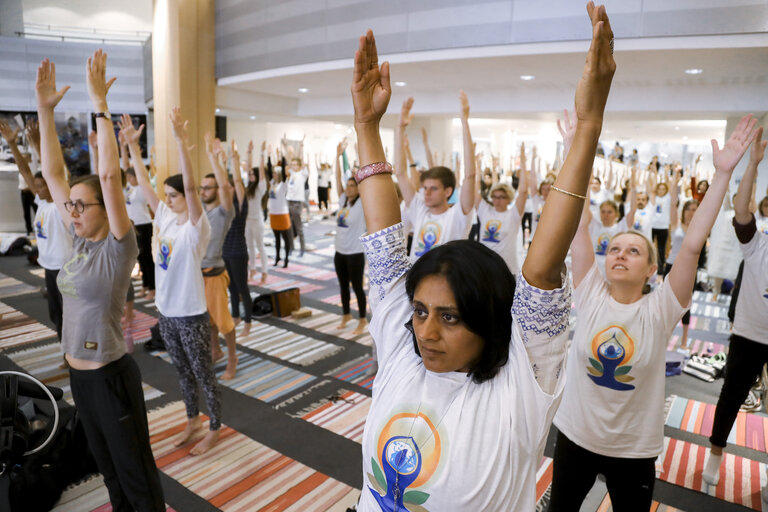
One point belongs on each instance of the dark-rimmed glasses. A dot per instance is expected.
(78, 206)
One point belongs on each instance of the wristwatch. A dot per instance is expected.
(105, 115)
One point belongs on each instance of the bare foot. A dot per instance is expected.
(246, 329)
(263, 278)
(344, 321)
(230, 371)
(237, 320)
(251, 275)
(150, 295)
(216, 352)
(193, 424)
(361, 325)
(210, 439)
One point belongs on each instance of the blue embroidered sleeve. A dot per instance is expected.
(387, 260)
(541, 312)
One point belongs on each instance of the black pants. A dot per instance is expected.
(744, 364)
(474, 232)
(55, 308)
(237, 268)
(350, 267)
(630, 481)
(146, 264)
(295, 208)
(526, 221)
(660, 237)
(322, 197)
(111, 405)
(687, 316)
(286, 235)
(27, 204)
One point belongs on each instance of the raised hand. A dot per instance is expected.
(33, 134)
(250, 146)
(179, 125)
(130, 133)
(93, 140)
(370, 83)
(98, 85)
(45, 86)
(341, 147)
(522, 156)
(567, 129)
(405, 113)
(8, 133)
(464, 105)
(757, 152)
(725, 159)
(595, 83)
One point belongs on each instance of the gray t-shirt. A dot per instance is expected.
(220, 220)
(94, 284)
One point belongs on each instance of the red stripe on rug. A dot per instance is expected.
(295, 493)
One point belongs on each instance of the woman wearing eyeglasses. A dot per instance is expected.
(105, 381)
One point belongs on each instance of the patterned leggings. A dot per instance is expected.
(187, 340)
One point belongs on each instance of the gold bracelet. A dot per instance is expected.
(568, 193)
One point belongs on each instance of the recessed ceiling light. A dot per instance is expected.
(694, 71)
(253, 117)
(303, 89)
(677, 128)
(218, 110)
(400, 84)
(527, 77)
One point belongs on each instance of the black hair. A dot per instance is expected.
(130, 171)
(444, 174)
(176, 182)
(253, 185)
(210, 175)
(483, 288)
(348, 201)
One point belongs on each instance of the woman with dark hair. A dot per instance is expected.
(611, 420)
(279, 212)
(470, 364)
(349, 259)
(183, 233)
(254, 224)
(105, 381)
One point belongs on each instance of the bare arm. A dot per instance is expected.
(225, 190)
(132, 136)
(683, 274)
(401, 166)
(468, 186)
(522, 192)
(237, 173)
(582, 252)
(10, 135)
(630, 216)
(560, 217)
(743, 214)
(337, 168)
(425, 138)
(673, 201)
(194, 206)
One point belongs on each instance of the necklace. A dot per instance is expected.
(396, 489)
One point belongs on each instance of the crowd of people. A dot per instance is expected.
(470, 288)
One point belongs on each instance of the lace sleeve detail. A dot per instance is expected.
(387, 260)
(541, 313)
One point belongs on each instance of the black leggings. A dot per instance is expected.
(55, 308)
(286, 235)
(322, 197)
(660, 237)
(28, 204)
(237, 268)
(687, 316)
(146, 264)
(350, 267)
(630, 481)
(742, 368)
(110, 403)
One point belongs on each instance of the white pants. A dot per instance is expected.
(254, 237)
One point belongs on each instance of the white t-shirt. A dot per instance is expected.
(751, 319)
(136, 204)
(613, 402)
(296, 185)
(661, 213)
(278, 204)
(350, 226)
(254, 203)
(762, 223)
(537, 206)
(180, 286)
(54, 241)
(429, 230)
(458, 445)
(596, 199)
(644, 221)
(601, 237)
(324, 178)
(498, 231)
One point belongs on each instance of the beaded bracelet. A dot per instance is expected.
(369, 170)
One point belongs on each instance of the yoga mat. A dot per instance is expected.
(326, 323)
(90, 495)
(606, 506)
(356, 371)
(286, 345)
(345, 416)
(140, 327)
(10, 287)
(17, 329)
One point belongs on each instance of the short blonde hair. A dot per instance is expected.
(504, 188)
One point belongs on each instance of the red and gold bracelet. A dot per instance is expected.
(369, 170)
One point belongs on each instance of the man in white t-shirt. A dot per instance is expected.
(644, 216)
(297, 177)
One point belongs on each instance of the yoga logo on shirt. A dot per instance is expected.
(408, 453)
(612, 348)
(492, 231)
(639, 221)
(67, 273)
(602, 244)
(39, 227)
(429, 236)
(341, 218)
(165, 248)
(765, 295)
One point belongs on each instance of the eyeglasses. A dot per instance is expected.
(206, 188)
(78, 205)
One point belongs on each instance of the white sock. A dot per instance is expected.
(711, 473)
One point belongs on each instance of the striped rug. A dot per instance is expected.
(705, 348)
(239, 474)
(303, 271)
(140, 327)
(606, 506)
(259, 378)
(326, 323)
(345, 415)
(90, 495)
(279, 283)
(336, 301)
(286, 345)
(740, 478)
(356, 371)
(39, 272)
(10, 287)
(43, 363)
(750, 430)
(17, 329)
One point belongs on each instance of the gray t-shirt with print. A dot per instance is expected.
(220, 220)
(93, 285)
